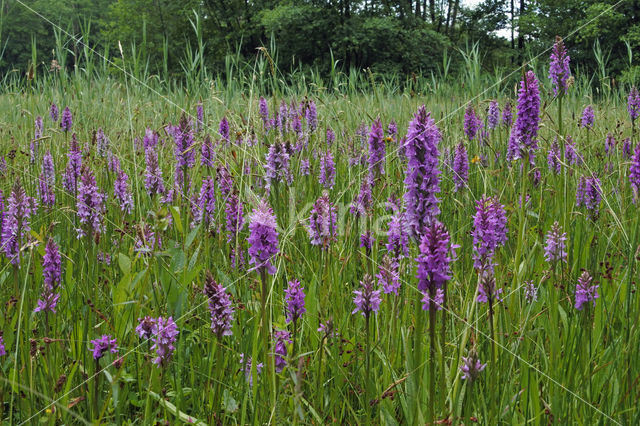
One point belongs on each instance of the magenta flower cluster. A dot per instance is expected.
(527, 122)
(555, 245)
(460, 167)
(104, 344)
(585, 292)
(489, 232)
(434, 263)
(322, 222)
(51, 273)
(165, 332)
(263, 238)
(367, 300)
(220, 307)
(422, 181)
(559, 71)
(294, 298)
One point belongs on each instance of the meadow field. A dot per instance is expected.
(305, 250)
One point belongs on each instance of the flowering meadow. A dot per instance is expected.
(285, 253)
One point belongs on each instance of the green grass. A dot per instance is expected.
(551, 361)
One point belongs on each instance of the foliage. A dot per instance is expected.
(389, 37)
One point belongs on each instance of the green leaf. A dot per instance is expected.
(178, 260)
(177, 221)
(229, 404)
(191, 237)
(125, 263)
(184, 417)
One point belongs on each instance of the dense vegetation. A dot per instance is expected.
(344, 249)
(169, 38)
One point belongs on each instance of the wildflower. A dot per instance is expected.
(164, 336)
(53, 112)
(554, 249)
(35, 143)
(48, 171)
(609, 143)
(490, 232)
(146, 240)
(392, 131)
(559, 71)
(434, 263)
(74, 166)
(145, 327)
(626, 148)
(15, 223)
(487, 289)
(104, 344)
(528, 118)
(330, 136)
(472, 122)
(471, 366)
(507, 115)
(219, 307)
(183, 139)
(461, 167)
(3, 351)
(102, 143)
(263, 238)
(389, 274)
(393, 204)
(589, 195)
(67, 120)
(322, 222)
(47, 196)
(327, 176)
(530, 292)
(90, 204)
(277, 166)
(585, 292)
(553, 158)
(282, 338)
(263, 111)
(51, 272)
(122, 192)
(361, 206)
(588, 118)
(281, 118)
(199, 118)
(114, 164)
(223, 129)
(366, 300)
(570, 155)
(205, 206)
(150, 139)
(397, 236)
(153, 181)
(634, 171)
(207, 152)
(366, 241)
(327, 330)
(493, 115)
(311, 116)
(234, 216)
(294, 296)
(304, 167)
(246, 362)
(422, 180)
(225, 181)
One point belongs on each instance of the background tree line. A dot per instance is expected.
(387, 36)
